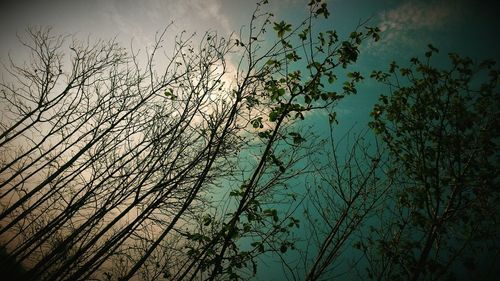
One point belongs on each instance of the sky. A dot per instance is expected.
(466, 27)
(451, 24)
(463, 26)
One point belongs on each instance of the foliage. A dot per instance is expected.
(441, 128)
(110, 162)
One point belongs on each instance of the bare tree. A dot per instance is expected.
(109, 163)
(108, 146)
(344, 195)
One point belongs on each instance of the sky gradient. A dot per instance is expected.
(462, 26)
(469, 28)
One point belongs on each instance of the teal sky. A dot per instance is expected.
(466, 27)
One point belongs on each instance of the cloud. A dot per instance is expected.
(416, 15)
(406, 23)
(211, 11)
(140, 20)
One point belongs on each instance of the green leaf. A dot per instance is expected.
(299, 115)
(283, 248)
(297, 138)
(281, 28)
(303, 35)
(236, 193)
(331, 78)
(282, 169)
(207, 220)
(257, 123)
(264, 135)
(273, 115)
(433, 49)
(307, 99)
(270, 62)
(332, 117)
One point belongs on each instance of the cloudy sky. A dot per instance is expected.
(461, 25)
(464, 26)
